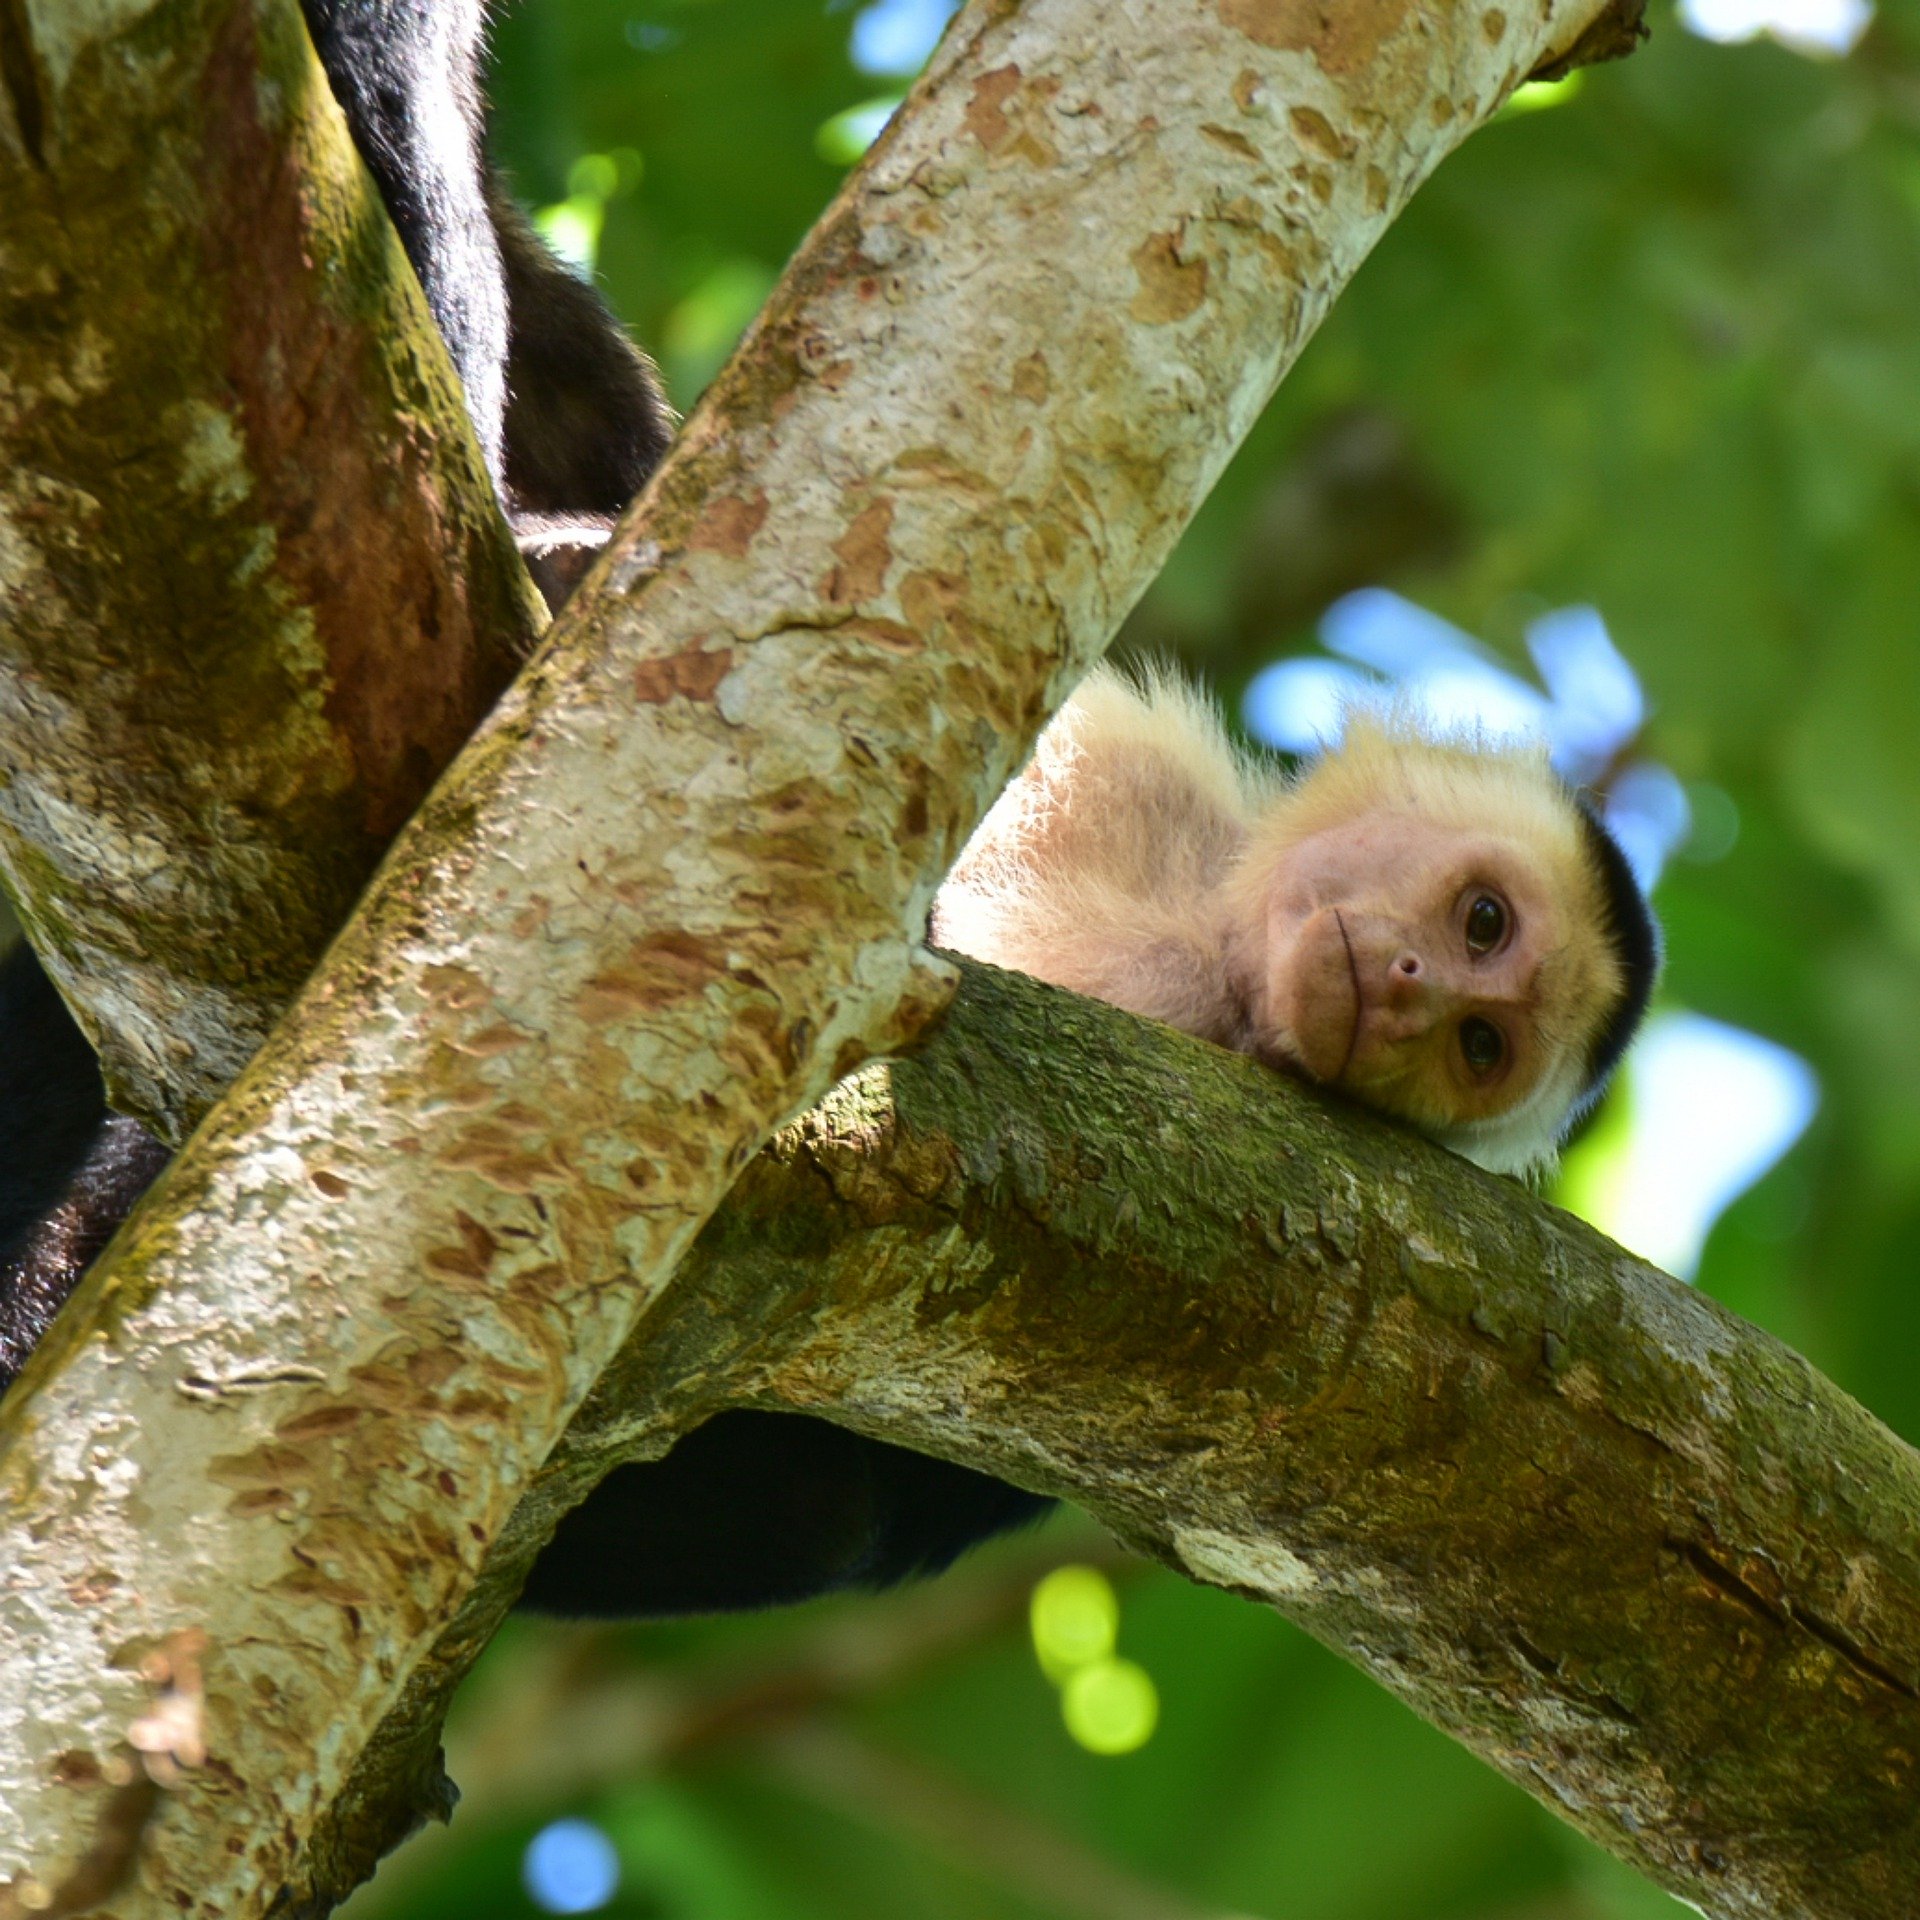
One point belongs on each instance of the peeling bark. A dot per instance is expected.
(673, 889)
(254, 589)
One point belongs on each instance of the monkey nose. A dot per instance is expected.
(1406, 981)
(1412, 999)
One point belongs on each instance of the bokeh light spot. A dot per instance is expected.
(570, 1867)
(571, 228)
(703, 328)
(1818, 28)
(894, 37)
(1709, 1110)
(1716, 822)
(1075, 1617)
(843, 139)
(652, 36)
(594, 176)
(1535, 94)
(1110, 1707)
(1589, 707)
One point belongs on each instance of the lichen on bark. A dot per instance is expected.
(256, 591)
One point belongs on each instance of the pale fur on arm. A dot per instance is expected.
(1099, 869)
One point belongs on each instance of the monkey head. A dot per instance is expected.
(1444, 931)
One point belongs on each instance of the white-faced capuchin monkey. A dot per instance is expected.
(1439, 928)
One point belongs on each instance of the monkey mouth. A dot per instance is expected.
(1353, 976)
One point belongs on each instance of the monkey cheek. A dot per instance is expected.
(1316, 995)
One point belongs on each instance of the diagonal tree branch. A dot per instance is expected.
(1633, 1552)
(1629, 1549)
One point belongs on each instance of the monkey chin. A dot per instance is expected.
(1314, 989)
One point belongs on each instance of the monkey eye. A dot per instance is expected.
(1486, 924)
(1482, 1045)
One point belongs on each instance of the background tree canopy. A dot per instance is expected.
(1646, 346)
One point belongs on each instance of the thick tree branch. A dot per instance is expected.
(1631, 1550)
(254, 589)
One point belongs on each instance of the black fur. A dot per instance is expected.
(407, 76)
(759, 1509)
(586, 423)
(753, 1509)
(1635, 937)
(69, 1171)
(50, 1095)
(568, 411)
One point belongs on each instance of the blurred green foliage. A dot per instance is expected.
(1656, 347)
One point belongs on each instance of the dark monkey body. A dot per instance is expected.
(568, 412)
(753, 1509)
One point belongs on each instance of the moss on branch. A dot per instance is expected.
(1629, 1549)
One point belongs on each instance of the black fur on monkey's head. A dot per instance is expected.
(1633, 934)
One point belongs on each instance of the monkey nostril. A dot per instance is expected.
(1408, 964)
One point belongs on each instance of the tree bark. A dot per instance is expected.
(1630, 1550)
(254, 588)
(673, 889)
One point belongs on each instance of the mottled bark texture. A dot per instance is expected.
(673, 889)
(254, 589)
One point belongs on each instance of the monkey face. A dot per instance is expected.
(1430, 968)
